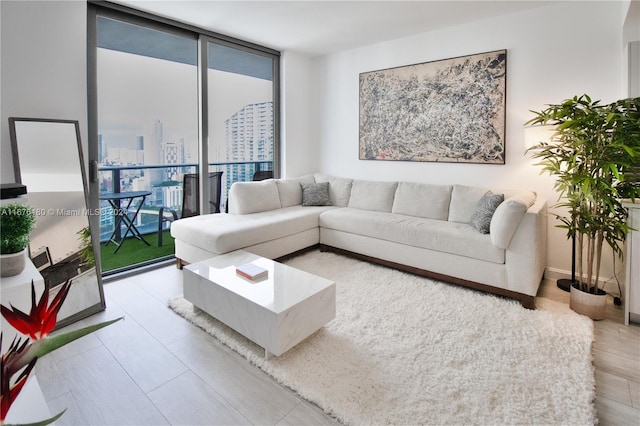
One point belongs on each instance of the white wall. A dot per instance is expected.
(631, 18)
(44, 66)
(298, 152)
(631, 34)
(553, 53)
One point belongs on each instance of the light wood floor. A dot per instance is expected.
(616, 358)
(156, 368)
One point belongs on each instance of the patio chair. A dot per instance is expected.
(191, 200)
(262, 175)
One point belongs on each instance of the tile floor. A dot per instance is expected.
(144, 370)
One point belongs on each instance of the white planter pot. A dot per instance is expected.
(12, 264)
(592, 305)
(30, 406)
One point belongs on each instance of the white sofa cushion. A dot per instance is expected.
(449, 237)
(254, 197)
(507, 217)
(463, 202)
(339, 188)
(290, 191)
(372, 195)
(222, 233)
(422, 200)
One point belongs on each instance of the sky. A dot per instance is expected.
(134, 91)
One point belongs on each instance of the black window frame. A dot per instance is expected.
(202, 36)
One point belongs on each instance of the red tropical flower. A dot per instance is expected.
(42, 318)
(7, 364)
(22, 355)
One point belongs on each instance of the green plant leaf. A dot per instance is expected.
(595, 158)
(16, 221)
(42, 422)
(41, 347)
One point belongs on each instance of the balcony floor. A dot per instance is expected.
(134, 251)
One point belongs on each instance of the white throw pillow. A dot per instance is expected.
(372, 195)
(508, 216)
(253, 197)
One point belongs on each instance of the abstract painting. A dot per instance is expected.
(452, 110)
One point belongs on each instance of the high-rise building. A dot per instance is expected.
(185, 157)
(153, 154)
(171, 155)
(249, 137)
(100, 149)
(140, 149)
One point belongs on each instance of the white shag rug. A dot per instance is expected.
(408, 350)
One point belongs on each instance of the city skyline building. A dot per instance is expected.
(101, 149)
(249, 137)
(140, 150)
(171, 155)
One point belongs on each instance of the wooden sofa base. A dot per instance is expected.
(524, 299)
(181, 263)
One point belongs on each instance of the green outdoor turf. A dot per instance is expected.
(135, 251)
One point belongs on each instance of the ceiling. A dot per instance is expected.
(317, 28)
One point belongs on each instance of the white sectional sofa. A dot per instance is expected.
(417, 227)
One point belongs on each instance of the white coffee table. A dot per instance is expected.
(277, 312)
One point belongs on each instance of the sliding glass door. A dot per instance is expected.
(167, 102)
(147, 93)
(240, 113)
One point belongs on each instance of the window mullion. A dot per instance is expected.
(203, 123)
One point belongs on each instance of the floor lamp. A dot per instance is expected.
(564, 283)
(534, 136)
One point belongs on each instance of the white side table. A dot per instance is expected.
(30, 406)
(632, 284)
(16, 291)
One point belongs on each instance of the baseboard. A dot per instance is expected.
(554, 274)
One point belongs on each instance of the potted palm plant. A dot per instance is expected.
(86, 248)
(594, 156)
(16, 221)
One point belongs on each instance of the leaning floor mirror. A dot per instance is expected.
(47, 158)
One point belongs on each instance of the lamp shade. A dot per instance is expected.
(541, 133)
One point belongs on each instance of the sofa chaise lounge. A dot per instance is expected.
(417, 227)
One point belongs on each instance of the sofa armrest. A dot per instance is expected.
(526, 255)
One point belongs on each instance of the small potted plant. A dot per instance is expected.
(16, 221)
(594, 155)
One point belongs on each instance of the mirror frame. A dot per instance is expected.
(101, 305)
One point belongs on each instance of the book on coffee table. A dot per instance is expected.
(251, 271)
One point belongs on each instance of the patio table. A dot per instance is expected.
(122, 215)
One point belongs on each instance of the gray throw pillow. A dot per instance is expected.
(481, 217)
(315, 194)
